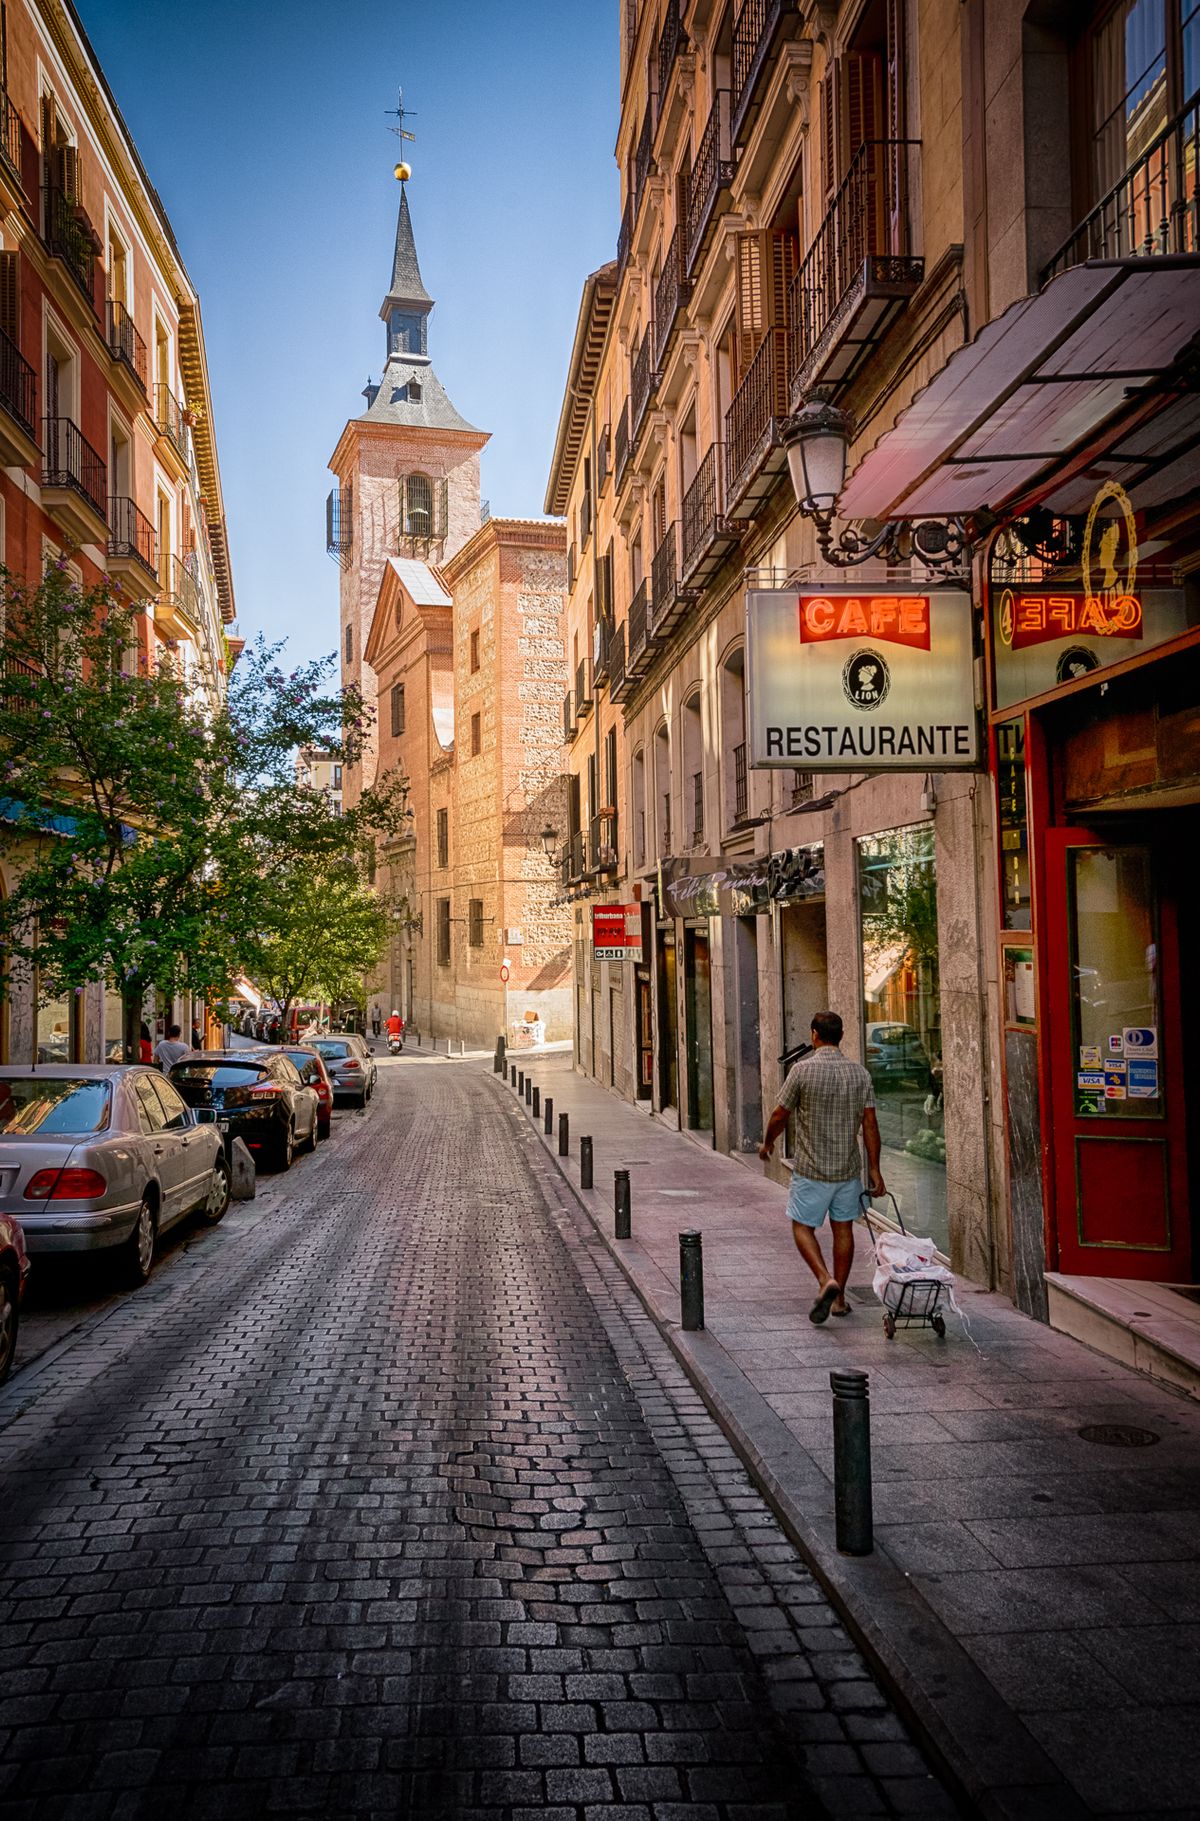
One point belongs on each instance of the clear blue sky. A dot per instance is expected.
(263, 128)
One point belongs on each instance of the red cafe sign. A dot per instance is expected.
(897, 619)
(1026, 619)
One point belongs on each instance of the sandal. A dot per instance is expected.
(848, 1310)
(820, 1310)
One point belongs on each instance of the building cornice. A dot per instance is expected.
(587, 353)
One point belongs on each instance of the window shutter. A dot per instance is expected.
(10, 295)
(68, 172)
(828, 137)
(780, 253)
(49, 115)
(860, 95)
(748, 316)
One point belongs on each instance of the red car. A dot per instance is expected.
(14, 1274)
(313, 1074)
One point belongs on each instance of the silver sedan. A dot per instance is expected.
(101, 1156)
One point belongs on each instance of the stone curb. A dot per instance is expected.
(982, 1747)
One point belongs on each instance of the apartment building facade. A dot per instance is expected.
(852, 207)
(107, 450)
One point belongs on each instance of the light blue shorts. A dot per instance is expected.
(809, 1202)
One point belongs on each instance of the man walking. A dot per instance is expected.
(170, 1049)
(833, 1099)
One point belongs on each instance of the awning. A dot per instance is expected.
(252, 996)
(693, 887)
(1037, 386)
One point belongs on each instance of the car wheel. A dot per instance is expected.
(285, 1150)
(220, 1189)
(324, 1128)
(10, 1320)
(310, 1143)
(139, 1247)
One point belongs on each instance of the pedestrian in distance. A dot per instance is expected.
(145, 1044)
(197, 1039)
(833, 1099)
(376, 1021)
(171, 1049)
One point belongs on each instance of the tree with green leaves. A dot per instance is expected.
(323, 932)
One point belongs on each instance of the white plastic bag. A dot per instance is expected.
(905, 1257)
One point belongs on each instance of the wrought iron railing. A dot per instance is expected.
(339, 524)
(664, 823)
(664, 572)
(168, 415)
(603, 458)
(602, 844)
(10, 135)
(712, 171)
(180, 586)
(802, 787)
(639, 619)
(697, 808)
(868, 216)
(604, 635)
(761, 399)
(585, 519)
(671, 40)
(130, 533)
(70, 237)
(639, 839)
(616, 659)
(625, 235)
(642, 381)
(124, 342)
(741, 794)
(670, 295)
(570, 565)
(753, 29)
(642, 156)
(701, 508)
(622, 448)
(569, 716)
(1155, 208)
(68, 460)
(583, 685)
(18, 385)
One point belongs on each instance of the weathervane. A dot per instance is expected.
(401, 114)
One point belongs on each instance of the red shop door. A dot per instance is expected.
(1118, 1140)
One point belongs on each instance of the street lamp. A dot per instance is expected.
(550, 845)
(817, 440)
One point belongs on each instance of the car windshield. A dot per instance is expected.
(49, 1104)
(218, 1074)
(333, 1050)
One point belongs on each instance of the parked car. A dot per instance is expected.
(351, 1067)
(96, 1156)
(14, 1274)
(254, 1095)
(311, 1069)
(894, 1055)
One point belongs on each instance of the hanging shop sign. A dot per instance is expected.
(742, 888)
(853, 679)
(617, 932)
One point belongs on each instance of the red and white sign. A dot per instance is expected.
(898, 619)
(617, 932)
(504, 973)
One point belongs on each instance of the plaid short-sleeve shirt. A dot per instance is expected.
(829, 1095)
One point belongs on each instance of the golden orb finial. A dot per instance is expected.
(403, 172)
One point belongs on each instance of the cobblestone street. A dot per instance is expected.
(387, 1498)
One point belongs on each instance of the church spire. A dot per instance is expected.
(406, 287)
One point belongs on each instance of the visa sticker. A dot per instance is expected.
(1140, 1040)
(1089, 1055)
(1090, 1079)
(1142, 1079)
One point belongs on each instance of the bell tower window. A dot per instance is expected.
(406, 332)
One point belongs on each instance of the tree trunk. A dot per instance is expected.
(132, 995)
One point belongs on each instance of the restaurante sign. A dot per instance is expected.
(849, 678)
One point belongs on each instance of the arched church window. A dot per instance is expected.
(419, 513)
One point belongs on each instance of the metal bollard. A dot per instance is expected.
(691, 1280)
(537, 1102)
(529, 1090)
(521, 1083)
(585, 1163)
(513, 1075)
(852, 1462)
(564, 1135)
(548, 1125)
(621, 1204)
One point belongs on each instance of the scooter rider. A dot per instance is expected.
(395, 1030)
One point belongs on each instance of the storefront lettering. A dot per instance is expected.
(1038, 619)
(938, 740)
(900, 619)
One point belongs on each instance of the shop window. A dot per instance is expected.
(56, 1031)
(1114, 981)
(443, 932)
(1013, 819)
(475, 922)
(114, 1027)
(902, 1023)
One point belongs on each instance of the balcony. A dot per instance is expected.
(127, 347)
(604, 638)
(571, 566)
(758, 28)
(708, 185)
(625, 236)
(664, 823)
(671, 597)
(585, 520)
(132, 549)
(643, 382)
(706, 535)
(568, 717)
(741, 789)
(339, 525)
(169, 416)
(641, 629)
(602, 844)
(1153, 212)
(603, 459)
(10, 146)
(697, 839)
(859, 271)
(583, 688)
(18, 406)
(670, 295)
(672, 39)
(619, 680)
(573, 857)
(179, 602)
(643, 159)
(74, 482)
(70, 236)
(753, 424)
(622, 447)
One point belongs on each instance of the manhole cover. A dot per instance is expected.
(1118, 1435)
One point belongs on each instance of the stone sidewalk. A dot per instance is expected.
(1033, 1597)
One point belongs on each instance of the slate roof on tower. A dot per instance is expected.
(406, 272)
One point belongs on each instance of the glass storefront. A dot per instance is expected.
(902, 1025)
(54, 1032)
(114, 1030)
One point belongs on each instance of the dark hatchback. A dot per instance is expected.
(257, 1097)
(313, 1074)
